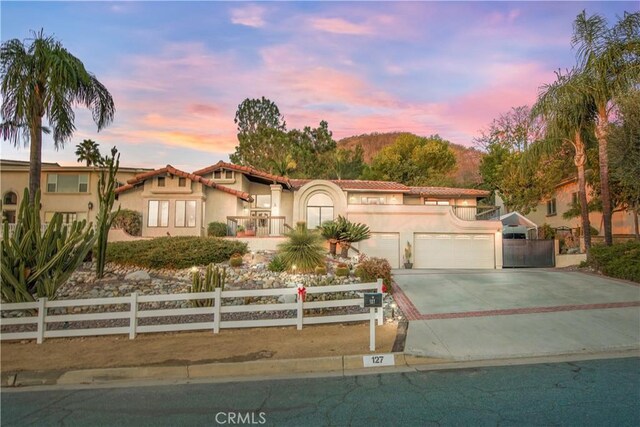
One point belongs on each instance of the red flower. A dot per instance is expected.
(384, 289)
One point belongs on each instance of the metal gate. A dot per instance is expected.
(527, 253)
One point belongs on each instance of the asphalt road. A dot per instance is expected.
(600, 392)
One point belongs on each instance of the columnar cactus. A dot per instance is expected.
(35, 264)
(214, 277)
(106, 195)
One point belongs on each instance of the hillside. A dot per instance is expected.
(466, 174)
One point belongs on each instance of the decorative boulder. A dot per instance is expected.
(138, 276)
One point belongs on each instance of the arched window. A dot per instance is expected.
(10, 198)
(319, 210)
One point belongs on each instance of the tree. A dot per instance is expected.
(414, 160)
(44, 79)
(610, 60)
(514, 130)
(259, 124)
(624, 151)
(347, 164)
(88, 151)
(314, 150)
(568, 115)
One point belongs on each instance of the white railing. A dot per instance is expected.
(43, 228)
(41, 319)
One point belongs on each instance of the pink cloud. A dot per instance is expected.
(250, 16)
(339, 26)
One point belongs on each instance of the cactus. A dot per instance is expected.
(36, 264)
(106, 195)
(214, 277)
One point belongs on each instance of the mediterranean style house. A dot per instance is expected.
(446, 227)
(550, 211)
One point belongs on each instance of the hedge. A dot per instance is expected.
(173, 252)
(621, 260)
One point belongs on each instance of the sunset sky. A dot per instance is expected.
(178, 70)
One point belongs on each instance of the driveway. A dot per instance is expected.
(487, 314)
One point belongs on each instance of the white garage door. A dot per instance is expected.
(382, 245)
(454, 250)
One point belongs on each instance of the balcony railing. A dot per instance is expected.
(477, 213)
(256, 226)
(43, 228)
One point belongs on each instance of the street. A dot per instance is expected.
(597, 392)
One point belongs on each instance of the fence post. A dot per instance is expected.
(380, 310)
(217, 302)
(372, 329)
(42, 313)
(300, 310)
(133, 316)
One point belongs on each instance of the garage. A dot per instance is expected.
(439, 250)
(382, 245)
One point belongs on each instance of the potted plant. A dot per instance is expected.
(240, 231)
(407, 256)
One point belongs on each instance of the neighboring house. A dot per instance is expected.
(550, 211)
(445, 226)
(70, 190)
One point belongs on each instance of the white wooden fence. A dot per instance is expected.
(42, 319)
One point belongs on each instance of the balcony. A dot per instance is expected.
(256, 226)
(477, 213)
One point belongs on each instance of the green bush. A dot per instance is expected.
(621, 260)
(235, 260)
(130, 221)
(545, 231)
(217, 229)
(277, 264)
(321, 270)
(173, 252)
(303, 251)
(342, 271)
(372, 269)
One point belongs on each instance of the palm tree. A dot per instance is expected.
(332, 231)
(354, 232)
(44, 79)
(610, 58)
(88, 151)
(569, 116)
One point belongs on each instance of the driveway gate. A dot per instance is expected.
(527, 253)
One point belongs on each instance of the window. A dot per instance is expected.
(217, 174)
(436, 202)
(66, 183)
(551, 207)
(185, 213)
(261, 201)
(373, 200)
(158, 213)
(228, 174)
(10, 198)
(161, 181)
(182, 182)
(575, 200)
(223, 174)
(319, 210)
(10, 216)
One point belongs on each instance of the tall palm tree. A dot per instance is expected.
(44, 79)
(88, 151)
(569, 115)
(610, 58)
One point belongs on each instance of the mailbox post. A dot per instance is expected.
(373, 301)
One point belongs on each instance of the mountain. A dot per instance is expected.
(466, 173)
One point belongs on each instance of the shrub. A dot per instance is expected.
(621, 260)
(217, 229)
(235, 260)
(173, 252)
(372, 269)
(277, 264)
(321, 270)
(129, 221)
(304, 249)
(545, 231)
(342, 271)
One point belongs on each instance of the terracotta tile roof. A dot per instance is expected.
(448, 191)
(358, 185)
(246, 170)
(140, 178)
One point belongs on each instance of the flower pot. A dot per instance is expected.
(241, 233)
(250, 233)
(408, 265)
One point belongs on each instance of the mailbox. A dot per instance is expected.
(373, 300)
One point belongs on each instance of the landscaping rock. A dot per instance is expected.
(138, 276)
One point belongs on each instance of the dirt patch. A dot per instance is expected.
(230, 345)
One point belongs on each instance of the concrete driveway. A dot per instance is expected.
(487, 314)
